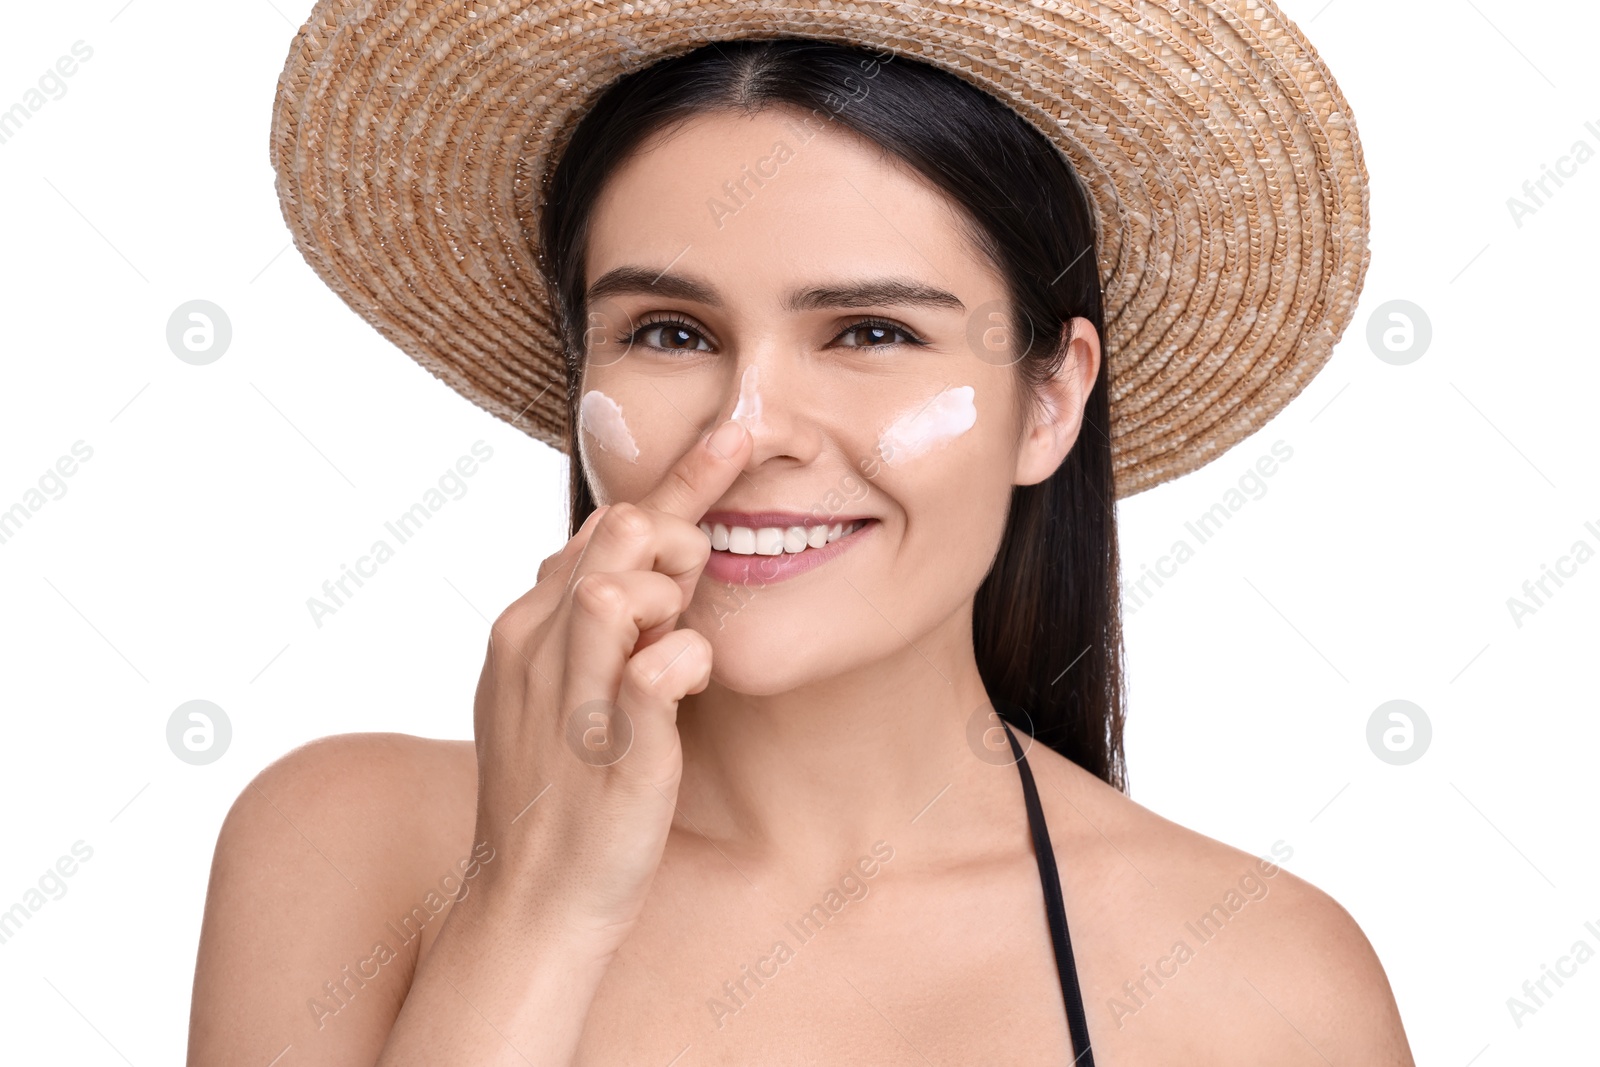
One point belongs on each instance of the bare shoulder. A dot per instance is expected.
(376, 798)
(332, 872)
(349, 766)
(1194, 948)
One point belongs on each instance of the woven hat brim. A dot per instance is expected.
(411, 140)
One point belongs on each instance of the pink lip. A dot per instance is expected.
(758, 570)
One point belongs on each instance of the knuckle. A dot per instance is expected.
(598, 594)
(510, 634)
(549, 564)
(626, 522)
(661, 586)
(651, 673)
(640, 676)
(512, 623)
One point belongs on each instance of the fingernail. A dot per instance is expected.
(727, 438)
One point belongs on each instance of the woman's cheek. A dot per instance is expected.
(630, 435)
(602, 419)
(934, 450)
(927, 426)
(624, 451)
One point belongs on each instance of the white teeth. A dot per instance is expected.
(769, 541)
(717, 533)
(774, 540)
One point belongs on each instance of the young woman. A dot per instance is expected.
(806, 747)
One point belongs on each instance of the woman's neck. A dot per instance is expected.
(823, 770)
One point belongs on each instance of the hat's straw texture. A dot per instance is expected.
(412, 138)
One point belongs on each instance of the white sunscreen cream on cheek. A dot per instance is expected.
(602, 418)
(935, 422)
(748, 409)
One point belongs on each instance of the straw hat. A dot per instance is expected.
(411, 139)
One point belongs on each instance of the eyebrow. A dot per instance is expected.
(628, 281)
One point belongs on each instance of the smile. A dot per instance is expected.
(759, 555)
(775, 540)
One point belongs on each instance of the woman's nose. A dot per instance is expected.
(748, 407)
(772, 404)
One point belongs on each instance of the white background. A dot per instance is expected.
(1377, 565)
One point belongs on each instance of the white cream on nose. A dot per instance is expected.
(748, 408)
(602, 418)
(931, 424)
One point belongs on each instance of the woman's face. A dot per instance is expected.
(802, 280)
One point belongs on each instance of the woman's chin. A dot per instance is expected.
(744, 657)
(744, 663)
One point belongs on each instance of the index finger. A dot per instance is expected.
(704, 473)
(563, 556)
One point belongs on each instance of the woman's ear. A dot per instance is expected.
(1051, 434)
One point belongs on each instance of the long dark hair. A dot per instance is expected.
(1046, 622)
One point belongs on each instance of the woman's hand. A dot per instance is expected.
(576, 711)
(578, 764)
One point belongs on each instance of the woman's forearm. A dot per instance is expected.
(502, 985)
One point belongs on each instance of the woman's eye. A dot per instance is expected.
(670, 336)
(876, 335)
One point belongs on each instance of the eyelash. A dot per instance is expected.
(658, 319)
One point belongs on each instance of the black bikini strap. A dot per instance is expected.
(1054, 907)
